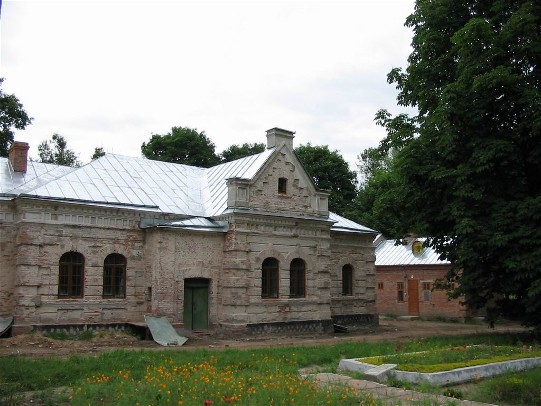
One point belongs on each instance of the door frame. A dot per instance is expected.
(196, 292)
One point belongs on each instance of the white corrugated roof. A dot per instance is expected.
(145, 184)
(343, 224)
(37, 174)
(388, 253)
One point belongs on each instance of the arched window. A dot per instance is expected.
(269, 278)
(297, 285)
(114, 276)
(71, 275)
(347, 280)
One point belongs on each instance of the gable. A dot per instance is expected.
(281, 185)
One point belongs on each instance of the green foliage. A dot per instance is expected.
(331, 173)
(182, 145)
(12, 116)
(516, 388)
(240, 151)
(468, 165)
(56, 152)
(98, 153)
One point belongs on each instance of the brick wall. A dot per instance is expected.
(7, 261)
(437, 305)
(356, 250)
(44, 233)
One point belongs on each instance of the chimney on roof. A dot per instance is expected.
(18, 156)
(278, 136)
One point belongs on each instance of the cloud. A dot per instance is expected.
(112, 73)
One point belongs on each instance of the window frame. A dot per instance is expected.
(114, 271)
(347, 280)
(297, 278)
(282, 186)
(270, 272)
(427, 291)
(71, 269)
(400, 296)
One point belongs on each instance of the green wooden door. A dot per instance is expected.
(196, 304)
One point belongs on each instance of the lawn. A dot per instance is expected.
(199, 377)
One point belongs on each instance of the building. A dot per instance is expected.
(244, 247)
(405, 275)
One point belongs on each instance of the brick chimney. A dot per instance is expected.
(18, 156)
(277, 136)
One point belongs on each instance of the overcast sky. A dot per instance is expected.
(112, 73)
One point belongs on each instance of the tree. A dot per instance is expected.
(470, 165)
(56, 152)
(182, 145)
(12, 116)
(240, 151)
(98, 153)
(330, 172)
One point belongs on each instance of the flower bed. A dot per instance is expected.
(461, 364)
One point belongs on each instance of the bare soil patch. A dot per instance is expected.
(36, 345)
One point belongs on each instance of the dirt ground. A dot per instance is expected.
(37, 345)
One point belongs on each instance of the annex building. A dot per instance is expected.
(406, 275)
(244, 247)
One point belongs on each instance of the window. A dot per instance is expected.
(297, 271)
(282, 186)
(71, 275)
(347, 280)
(269, 278)
(417, 248)
(400, 291)
(427, 289)
(380, 285)
(114, 276)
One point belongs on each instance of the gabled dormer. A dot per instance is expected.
(280, 185)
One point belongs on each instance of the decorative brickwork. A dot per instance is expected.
(203, 273)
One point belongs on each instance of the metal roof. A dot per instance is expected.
(121, 181)
(345, 225)
(388, 253)
(37, 174)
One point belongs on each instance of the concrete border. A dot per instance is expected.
(443, 378)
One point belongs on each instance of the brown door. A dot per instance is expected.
(413, 297)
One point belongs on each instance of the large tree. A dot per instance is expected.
(330, 172)
(241, 151)
(56, 151)
(12, 116)
(182, 145)
(470, 167)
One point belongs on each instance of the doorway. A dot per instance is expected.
(196, 304)
(413, 297)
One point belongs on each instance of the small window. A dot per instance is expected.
(114, 276)
(269, 278)
(297, 272)
(347, 280)
(380, 285)
(282, 186)
(427, 289)
(71, 275)
(417, 248)
(400, 291)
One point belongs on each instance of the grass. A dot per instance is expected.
(453, 357)
(193, 377)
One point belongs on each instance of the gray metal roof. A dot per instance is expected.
(121, 181)
(345, 225)
(388, 253)
(37, 174)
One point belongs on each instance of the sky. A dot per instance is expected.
(110, 74)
